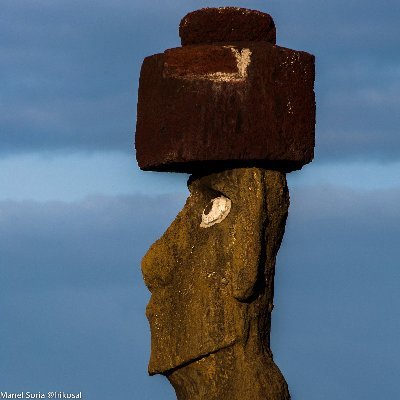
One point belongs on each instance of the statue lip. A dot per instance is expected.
(166, 370)
(167, 364)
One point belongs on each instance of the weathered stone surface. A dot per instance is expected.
(226, 24)
(245, 104)
(212, 289)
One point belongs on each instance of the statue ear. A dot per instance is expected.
(248, 256)
(258, 230)
(246, 190)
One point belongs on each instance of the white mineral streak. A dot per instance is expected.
(220, 208)
(243, 60)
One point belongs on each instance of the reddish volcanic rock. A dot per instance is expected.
(226, 24)
(209, 106)
(227, 98)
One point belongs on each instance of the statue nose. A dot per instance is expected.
(157, 266)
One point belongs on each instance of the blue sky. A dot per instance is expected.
(77, 215)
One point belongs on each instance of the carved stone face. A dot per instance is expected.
(205, 268)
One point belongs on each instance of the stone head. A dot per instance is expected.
(210, 268)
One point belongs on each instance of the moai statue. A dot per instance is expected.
(237, 112)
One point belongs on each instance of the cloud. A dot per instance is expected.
(71, 177)
(359, 121)
(70, 70)
(72, 299)
(76, 243)
(336, 286)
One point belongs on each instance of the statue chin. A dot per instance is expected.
(169, 350)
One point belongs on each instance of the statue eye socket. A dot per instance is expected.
(215, 212)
